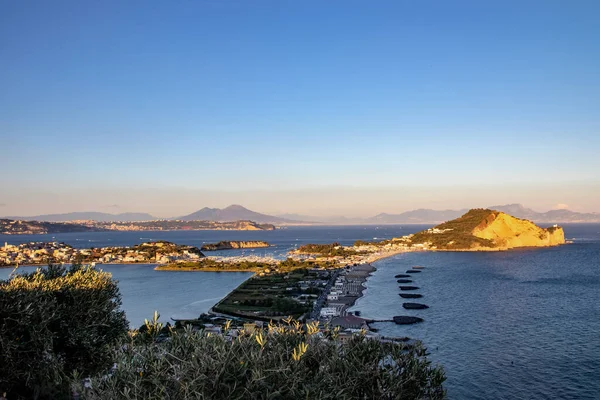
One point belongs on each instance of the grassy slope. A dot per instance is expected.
(460, 236)
(209, 265)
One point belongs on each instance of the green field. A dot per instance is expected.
(275, 295)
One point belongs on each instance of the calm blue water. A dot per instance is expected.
(178, 294)
(281, 240)
(188, 294)
(508, 325)
(520, 324)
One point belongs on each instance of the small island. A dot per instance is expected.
(231, 245)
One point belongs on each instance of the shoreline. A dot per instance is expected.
(365, 259)
(45, 264)
(363, 282)
(209, 269)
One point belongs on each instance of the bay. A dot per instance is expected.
(186, 294)
(518, 324)
(523, 324)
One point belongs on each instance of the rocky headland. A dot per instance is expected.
(20, 227)
(488, 230)
(231, 245)
(476, 230)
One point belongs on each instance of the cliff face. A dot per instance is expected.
(229, 245)
(510, 232)
(482, 229)
(251, 226)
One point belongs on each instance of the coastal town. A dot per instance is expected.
(311, 294)
(22, 227)
(44, 253)
(305, 287)
(315, 282)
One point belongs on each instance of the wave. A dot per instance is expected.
(203, 301)
(585, 239)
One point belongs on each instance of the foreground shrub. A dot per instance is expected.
(53, 322)
(283, 362)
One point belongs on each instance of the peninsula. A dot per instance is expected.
(476, 230)
(485, 230)
(172, 225)
(231, 245)
(19, 227)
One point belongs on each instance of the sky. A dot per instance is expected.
(315, 107)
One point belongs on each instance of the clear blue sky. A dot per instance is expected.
(231, 95)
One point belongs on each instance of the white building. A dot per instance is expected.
(333, 295)
(329, 312)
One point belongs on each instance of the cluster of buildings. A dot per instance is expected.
(346, 289)
(39, 253)
(437, 230)
(17, 227)
(34, 253)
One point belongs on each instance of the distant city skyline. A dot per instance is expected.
(320, 108)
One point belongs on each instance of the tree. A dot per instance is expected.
(281, 362)
(54, 322)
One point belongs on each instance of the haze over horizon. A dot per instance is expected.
(314, 108)
(291, 203)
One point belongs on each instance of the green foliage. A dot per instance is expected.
(207, 264)
(328, 250)
(460, 232)
(451, 240)
(271, 296)
(381, 243)
(53, 322)
(301, 265)
(469, 221)
(281, 362)
(288, 306)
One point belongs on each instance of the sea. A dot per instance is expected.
(522, 324)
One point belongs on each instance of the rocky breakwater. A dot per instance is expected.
(230, 245)
(488, 230)
(408, 319)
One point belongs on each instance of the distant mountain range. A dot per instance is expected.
(419, 216)
(240, 213)
(428, 216)
(233, 213)
(517, 210)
